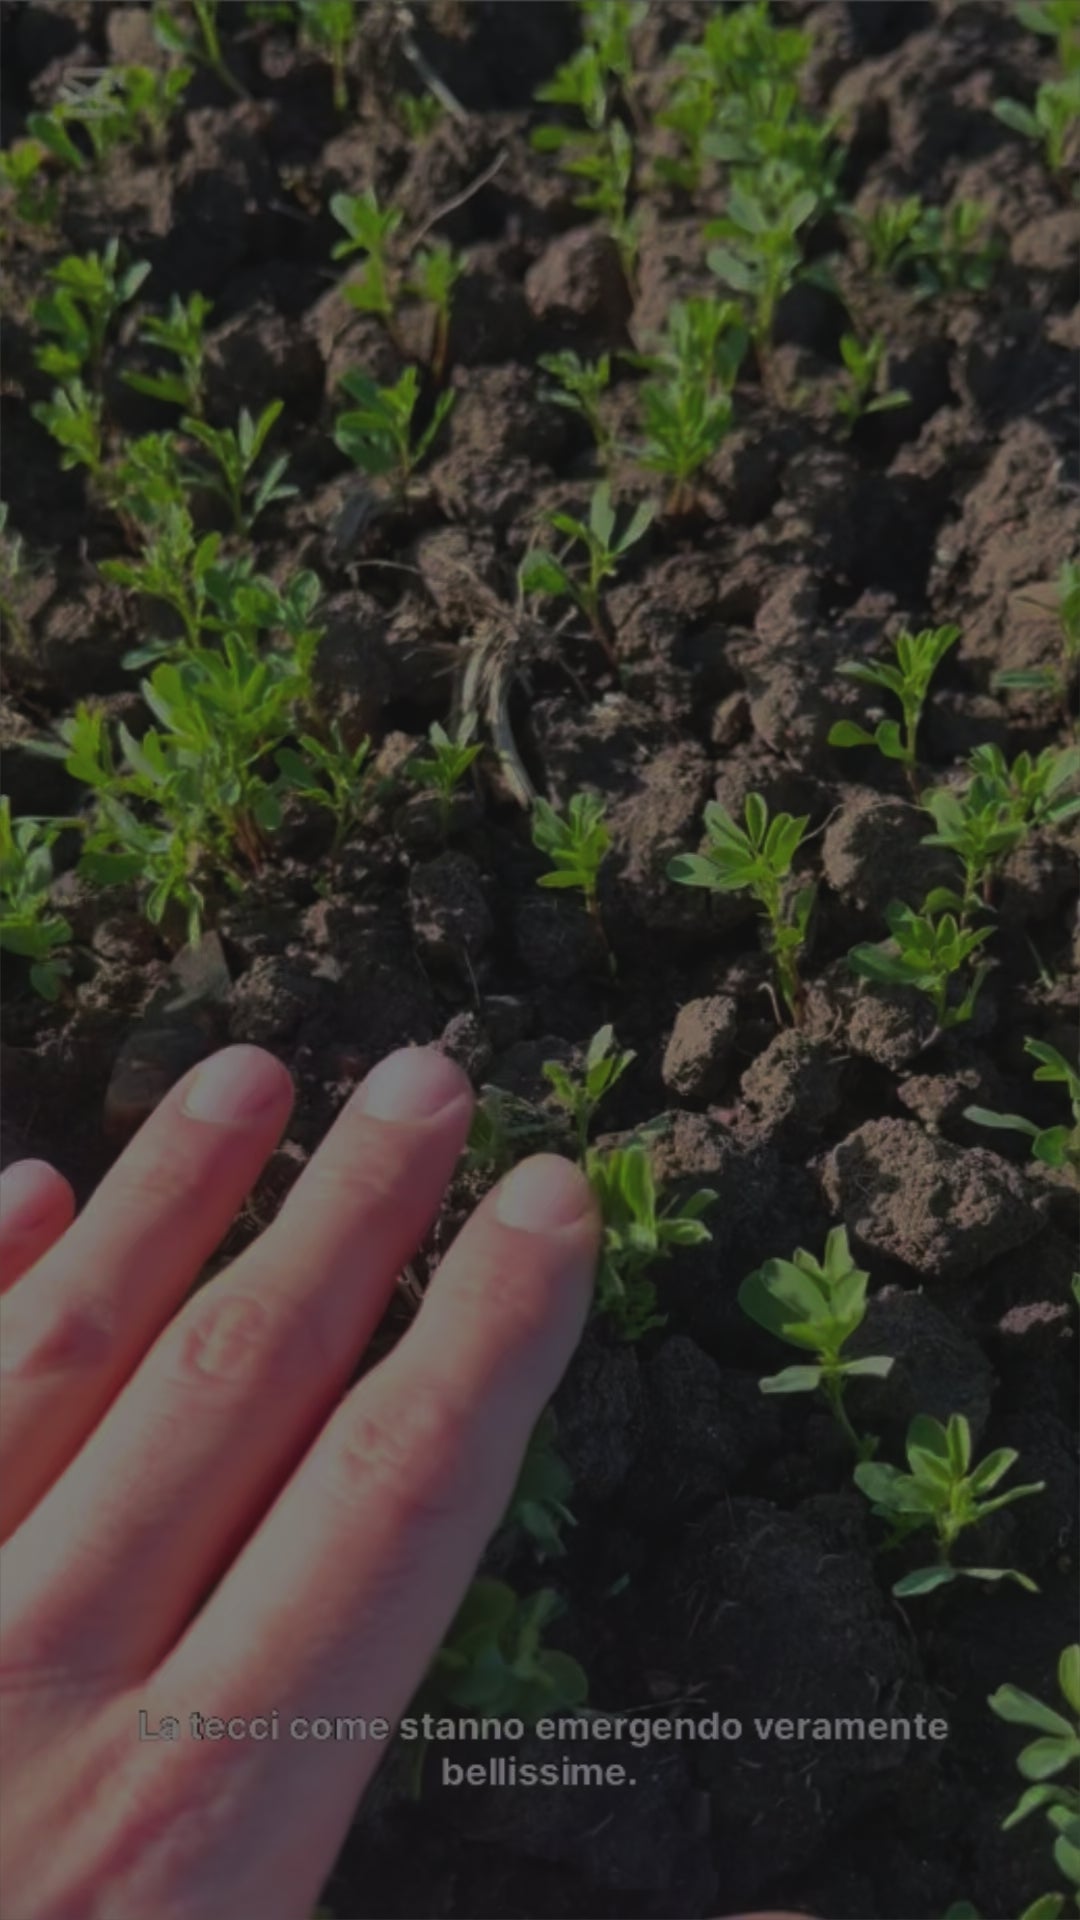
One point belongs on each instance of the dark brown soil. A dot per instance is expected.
(721, 1557)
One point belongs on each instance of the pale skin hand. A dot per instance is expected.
(157, 1449)
(155, 1446)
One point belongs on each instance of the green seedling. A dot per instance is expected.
(377, 433)
(817, 1305)
(72, 416)
(504, 1128)
(944, 1494)
(114, 106)
(757, 861)
(24, 179)
(88, 292)
(637, 1236)
(1055, 1751)
(370, 228)
(173, 567)
(1057, 20)
(331, 775)
(433, 275)
(235, 453)
(542, 572)
(144, 482)
(993, 814)
(927, 951)
(445, 768)
(686, 404)
(1055, 1146)
(544, 1485)
(493, 1660)
(885, 232)
(918, 656)
(761, 255)
(329, 26)
(181, 333)
(863, 391)
(951, 251)
(1057, 680)
(418, 114)
(580, 1095)
(1052, 122)
(28, 925)
(203, 47)
(741, 54)
(768, 126)
(600, 153)
(576, 843)
(581, 386)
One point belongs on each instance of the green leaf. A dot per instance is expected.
(888, 741)
(845, 733)
(1024, 1710)
(924, 1581)
(792, 1380)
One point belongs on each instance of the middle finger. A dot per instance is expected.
(116, 1558)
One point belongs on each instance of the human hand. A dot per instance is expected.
(199, 1518)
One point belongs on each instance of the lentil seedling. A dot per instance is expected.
(576, 843)
(988, 818)
(600, 153)
(434, 274)
(885, 232)
(686, 404)
(944, 1494)
(181, 333)
(544, 1485)
(918, 656)
(862, 392)
(758, 861)
(28, 925)
(88, 292)
(25, 180)
(1057, 680)
(761, 254)
(235, 453)
(1055, 1146)
(816, 1305)
(636, 1235)
(444, 770)
(329, 26)
(1052, 121)
(542, 572)
(951, 250)
(1040, 1762)
(930, 951)
(580, 1096)
(331, 775)
(580, 386)
(202, 47)
(377, 433)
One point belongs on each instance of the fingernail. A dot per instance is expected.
(234, 1086)
(543, 1195)
(415, 1084)
(28, 1195)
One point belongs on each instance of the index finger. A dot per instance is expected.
(341, 1598)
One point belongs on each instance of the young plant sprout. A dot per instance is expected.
(443, 771)
(988, 818)
(1056, 1751)
(180, 333)
(369, 229)
(542, 572)
(203, 47)
(740, 62)
(944, 1494)
(331, 775)
(1057, 20)
(544, 1485)
(235, 453)
(576, 843)
(758, 861)
(1053, 121)
(686, 403)
(493, 1660)
(580, 1096)
(418, 113)
(174, 567)
(434, 274)
(580, 386)
(72, 416)
(329, 26)
(761, 254)
(114, 106)
(1057, 680)
(918, 656)
(24, 179)
(503, 1130)
(816, 1305)
(951, 251)
(1057, 1146)
(13, 574)
(885, 232)
(929, 951)
(88, 292)
(28, 925)
(862, 392)
(600, 153)
(377, 433)
(636, 1236)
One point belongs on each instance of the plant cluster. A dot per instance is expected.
(929, 951)
(760, 254)
(734, 98)
(637, 1234)
(817, 1305)
(113, 107)
(686, 402)
(390, 276)
(994, 811)
(1057, 1146)
(758, 860)
(594, 84)
(29, 926)
(944, 1494)
(1056, 1749)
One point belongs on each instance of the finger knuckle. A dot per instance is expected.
(233, 1339)
(407, 1449)
(64, 1333)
